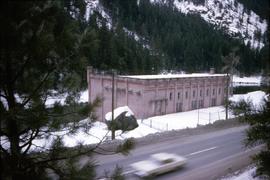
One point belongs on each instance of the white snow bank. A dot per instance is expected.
(96, 134)
(61, 98)
(246, 175)
(188, 119)
(140, 131)
(84, 96)
(117, 112)
(255, 97)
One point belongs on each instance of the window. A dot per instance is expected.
(213, 102)
(200, 93)
(178, 107)
(207, 92)
(193, 104)
(200, 103)
(214, 91)
(219, 90)
(178, 95)
(194, 93)
(170, 96)
(186, 94)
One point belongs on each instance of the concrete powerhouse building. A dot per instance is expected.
(152, 95)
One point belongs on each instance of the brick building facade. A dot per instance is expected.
(152, 95)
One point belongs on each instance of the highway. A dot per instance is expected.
(210, 155)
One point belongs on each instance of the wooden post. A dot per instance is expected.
(198, 117)
(227, 98)
(112, 121)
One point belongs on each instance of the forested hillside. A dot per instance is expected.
(260, 7)
(108, 49)
(171, 41)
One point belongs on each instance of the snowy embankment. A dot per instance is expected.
(248, 174)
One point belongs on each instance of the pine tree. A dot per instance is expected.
(258, 133)
(41, 57)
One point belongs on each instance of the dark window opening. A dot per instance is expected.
(170, 96)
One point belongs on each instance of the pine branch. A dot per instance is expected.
(91, 150)
(25, 101)
(29, 143)
(20, 72)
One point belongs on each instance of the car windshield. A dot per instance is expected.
(166, 161)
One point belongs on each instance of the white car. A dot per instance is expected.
(158, 164)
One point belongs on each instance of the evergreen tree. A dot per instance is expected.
(258, 133)
(42, 45)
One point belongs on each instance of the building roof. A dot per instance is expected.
(171, 76)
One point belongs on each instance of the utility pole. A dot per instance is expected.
(198, 117)
(230, 61)
(227, 97)
(112, 120)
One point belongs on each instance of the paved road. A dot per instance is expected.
(209, 155)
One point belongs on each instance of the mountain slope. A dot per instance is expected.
(177, 41)
(230, 15)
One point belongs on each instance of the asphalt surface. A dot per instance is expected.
(210, 155)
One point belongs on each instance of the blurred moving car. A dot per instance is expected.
(158, 164)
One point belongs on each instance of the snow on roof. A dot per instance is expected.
(169, 76)
(246, 81)
(117, 112)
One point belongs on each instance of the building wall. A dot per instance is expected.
(152, 97)
(126, 93)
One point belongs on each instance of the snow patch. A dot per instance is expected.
(248, 174)
(95, 6)
(118, 111)
(255, 97)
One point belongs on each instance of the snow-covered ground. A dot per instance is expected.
(175, 121)
(245, 175)
(182, 120)
(255, 97)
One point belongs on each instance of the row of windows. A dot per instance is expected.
(200, 104)
(194, 93)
